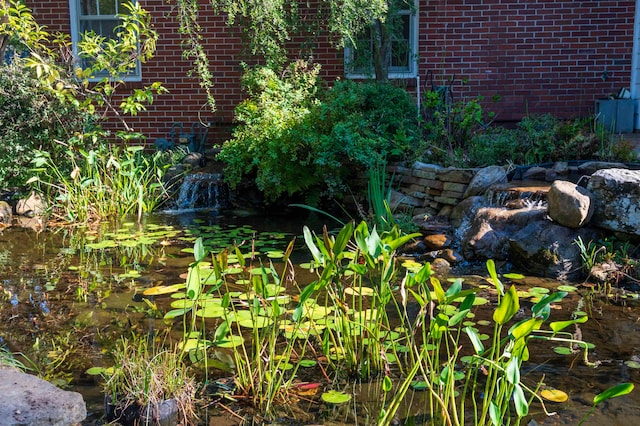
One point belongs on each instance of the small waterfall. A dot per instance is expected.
(202, 191)
(526, 195)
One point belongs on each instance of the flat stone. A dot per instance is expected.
(484, 179)
(28, 400)
(590, 167)
(456, 175)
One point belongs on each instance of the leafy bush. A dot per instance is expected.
(545, 138)
(450, 126)
(293, 139)
(32, 119)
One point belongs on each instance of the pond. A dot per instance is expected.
(67, 296)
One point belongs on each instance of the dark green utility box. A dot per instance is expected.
(615, 114)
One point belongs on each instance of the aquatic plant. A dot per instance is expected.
(145, 374)
(106, 183)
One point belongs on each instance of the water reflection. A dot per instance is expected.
(64, 303)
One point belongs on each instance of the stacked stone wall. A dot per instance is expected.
(428, 188)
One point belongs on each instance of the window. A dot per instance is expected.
(100, 16)
(358, 59)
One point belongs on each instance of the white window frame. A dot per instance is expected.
(394, 72)
(76, 16)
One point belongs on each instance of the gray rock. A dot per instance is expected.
(535, 173)
(617, 200)
(546, 249)
(28, 400)
(590, 167)
(491, 229)
(569, 204)
(31, 206)
(6, 212)
(484, 179)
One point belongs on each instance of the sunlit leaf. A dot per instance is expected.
(335, 397)
(554, 395)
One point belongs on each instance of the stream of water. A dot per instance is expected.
(66, 296)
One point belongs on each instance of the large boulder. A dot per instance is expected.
(28, 400)
(491, 229)
(617, 200)
(569, 204)
(546, 249)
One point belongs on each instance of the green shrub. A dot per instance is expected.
(543, 139)
(293, 140)
(32, 119)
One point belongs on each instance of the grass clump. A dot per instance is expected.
(144, 376)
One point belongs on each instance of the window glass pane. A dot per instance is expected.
(87, 25)
(107, 7)
(88, 7)
(401, 46)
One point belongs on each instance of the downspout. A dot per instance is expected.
(635, 68)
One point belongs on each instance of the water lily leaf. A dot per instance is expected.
(256, 322)
(193, 344)
(163, 289)
(513, 276)
(632, 364)
(307, 363)
(554, 395)
(359, 291)
(231, 341)
(182, 304)
(336, 397)
(562, 350)
(567, 288)
(175, 313)
(210, 311)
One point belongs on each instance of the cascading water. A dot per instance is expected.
(202, 191)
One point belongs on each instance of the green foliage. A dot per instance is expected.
(265, 142)
(294, 140)
(32, 119)
(545, 138)
(146, 374)
(451, 125)
(105, 183)
(91, 83)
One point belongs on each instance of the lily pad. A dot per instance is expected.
(336, 397)
(554, 395)
(163, 289)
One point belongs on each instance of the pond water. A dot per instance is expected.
(67, 296)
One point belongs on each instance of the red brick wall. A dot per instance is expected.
(538, 55)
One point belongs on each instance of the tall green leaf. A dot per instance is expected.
(508, 306)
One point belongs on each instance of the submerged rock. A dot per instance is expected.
(28, 400)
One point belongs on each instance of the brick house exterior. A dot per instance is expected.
(539, 56)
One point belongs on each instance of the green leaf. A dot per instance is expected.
(386, 384)
(613, 392)
(475, 340)
(308, 239)
(194, 286)
(512, 371)
(557, 326)
(508, 307)
(519, 400)
(198, 250)
(494, 413)
(491, 267)
(336, 397)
